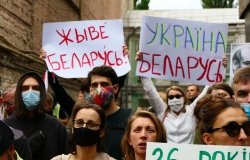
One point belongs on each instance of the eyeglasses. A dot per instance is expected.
(79, 123)
(233, 128)
(177, 96)
(7, 104)
(102, 84)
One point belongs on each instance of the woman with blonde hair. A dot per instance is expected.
(143, 127)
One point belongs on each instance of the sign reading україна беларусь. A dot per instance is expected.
(182, 50)
(170, 151)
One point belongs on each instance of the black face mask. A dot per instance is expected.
(86, 137)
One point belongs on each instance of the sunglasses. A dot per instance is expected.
(233, 128)
(177, 96)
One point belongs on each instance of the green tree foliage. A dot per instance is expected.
(217, 3)
(141, 4)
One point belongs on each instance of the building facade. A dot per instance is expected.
(132, 23)
(21, 23)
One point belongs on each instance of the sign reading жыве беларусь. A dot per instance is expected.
(74, 48)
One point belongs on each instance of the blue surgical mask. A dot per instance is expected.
(31, 99)
(246, 107)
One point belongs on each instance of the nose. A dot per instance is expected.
(84, 125)
(248, 98)
(242, 135)
(143, 134)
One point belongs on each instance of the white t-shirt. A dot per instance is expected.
(181, 128)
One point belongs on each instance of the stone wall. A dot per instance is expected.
(21, 24)
(103, 9)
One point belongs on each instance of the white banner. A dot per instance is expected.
(170, 151)
(74, 48)
(182, 50)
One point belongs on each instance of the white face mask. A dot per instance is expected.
(176, 104)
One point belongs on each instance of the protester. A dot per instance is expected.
(21, 143)
(65, 100)
(192, 93)
(221, 90)
(222, 121)
(87, 122)
(7, 149)
(241, 85)
(8, 100)
(104, 86)
(46, 135)
(177, 117)
(116, 116)
(55, 110)
(143, 127)
(241, 88)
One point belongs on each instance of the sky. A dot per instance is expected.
(174, 4)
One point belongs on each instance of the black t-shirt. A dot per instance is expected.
(116, 124)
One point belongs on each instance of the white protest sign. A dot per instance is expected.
(239, 58)
(170, 151)
(74, 48)
(182, 50)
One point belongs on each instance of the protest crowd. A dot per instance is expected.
(38, 125)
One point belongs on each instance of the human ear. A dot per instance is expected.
(207, 138)
(115, 88)
(102, 133)
(129, 142)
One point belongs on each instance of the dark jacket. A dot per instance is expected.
(46, 135)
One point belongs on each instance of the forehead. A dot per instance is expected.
(9, 94)
(192, 88)
(141, 122)
(96, 78)
(88, 114)
(215, 91)
(30, 82)
(174, 92)
(245, 53)
(241, 86)
(230, 114)
(8, 97)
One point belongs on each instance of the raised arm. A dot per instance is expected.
(202, 94)
(153, 96)
(64, 99)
